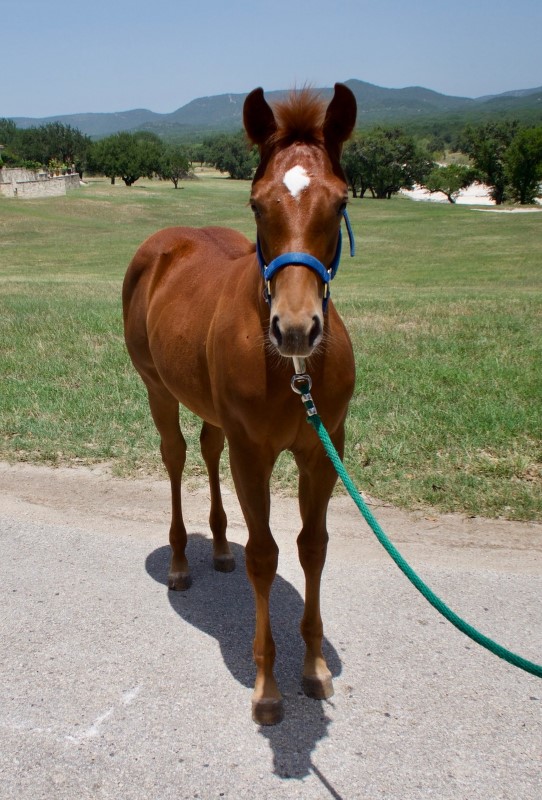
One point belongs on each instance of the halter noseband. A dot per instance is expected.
(305, 259)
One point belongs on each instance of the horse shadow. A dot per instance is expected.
(222, 606)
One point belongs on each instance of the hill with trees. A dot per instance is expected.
(412, 132)
(376, 106)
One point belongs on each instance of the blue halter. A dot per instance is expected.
(306, 260)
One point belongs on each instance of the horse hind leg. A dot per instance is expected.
(165, 413)
(212, 445)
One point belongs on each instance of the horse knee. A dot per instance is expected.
(312, 550)
(262, 563)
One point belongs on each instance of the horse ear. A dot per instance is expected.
(258, 117)
(340, 118)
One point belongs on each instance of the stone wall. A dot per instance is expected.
(15, 174)
(24, 183)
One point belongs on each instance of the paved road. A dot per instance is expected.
(111, 687)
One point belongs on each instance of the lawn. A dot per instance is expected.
(443, 304)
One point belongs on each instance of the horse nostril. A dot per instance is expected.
(276, 330)
(315, 331)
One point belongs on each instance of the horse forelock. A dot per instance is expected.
(299, 118)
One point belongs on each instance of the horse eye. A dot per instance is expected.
(342, 207)
(254, 208)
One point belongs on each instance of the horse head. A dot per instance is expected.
(299, 196)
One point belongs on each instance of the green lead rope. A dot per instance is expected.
(436, 602)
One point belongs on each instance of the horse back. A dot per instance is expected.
(182, 250)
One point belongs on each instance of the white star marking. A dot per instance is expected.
(295, 180)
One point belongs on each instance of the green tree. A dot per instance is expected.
(8, 132)
(8, 140)
(174, 164)
(384, 161)
(54, 142)
(487, 145)
(104, 157)
(197, 153)
(523, 165)
(449, 180)
(355, 166)
(232, 153)
(129, 156)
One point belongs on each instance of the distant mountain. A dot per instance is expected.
(97, 125)
(514, 93)
(375, 105)
(411, 101)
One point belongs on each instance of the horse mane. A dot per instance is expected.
(299, 118)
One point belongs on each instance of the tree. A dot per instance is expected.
(231, 153)
(128, 156)
(54, 142)
(8, 140)
(523, 165)
(355, 167)
(8, 132)
(487, 146)
(40, 145)
(197, 153)
(449, 180)
(174, 164)
(104, 157)
(384, 161)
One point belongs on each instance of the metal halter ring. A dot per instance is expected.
(304, 381)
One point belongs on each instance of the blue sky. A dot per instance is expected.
(65, 57)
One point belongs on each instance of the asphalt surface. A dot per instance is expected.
(113, 687)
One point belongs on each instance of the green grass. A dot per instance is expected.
(443, 305)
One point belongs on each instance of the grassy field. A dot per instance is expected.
(443, 304)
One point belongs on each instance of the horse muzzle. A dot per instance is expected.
(295, 338)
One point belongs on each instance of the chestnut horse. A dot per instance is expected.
(204, 330)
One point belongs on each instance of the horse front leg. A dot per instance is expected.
(317, 478)
(251, 470)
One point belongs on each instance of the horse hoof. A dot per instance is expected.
(267, 712)
(225, 563)
(179, 581)
(319, 688)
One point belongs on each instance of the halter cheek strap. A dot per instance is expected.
(326, 274)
